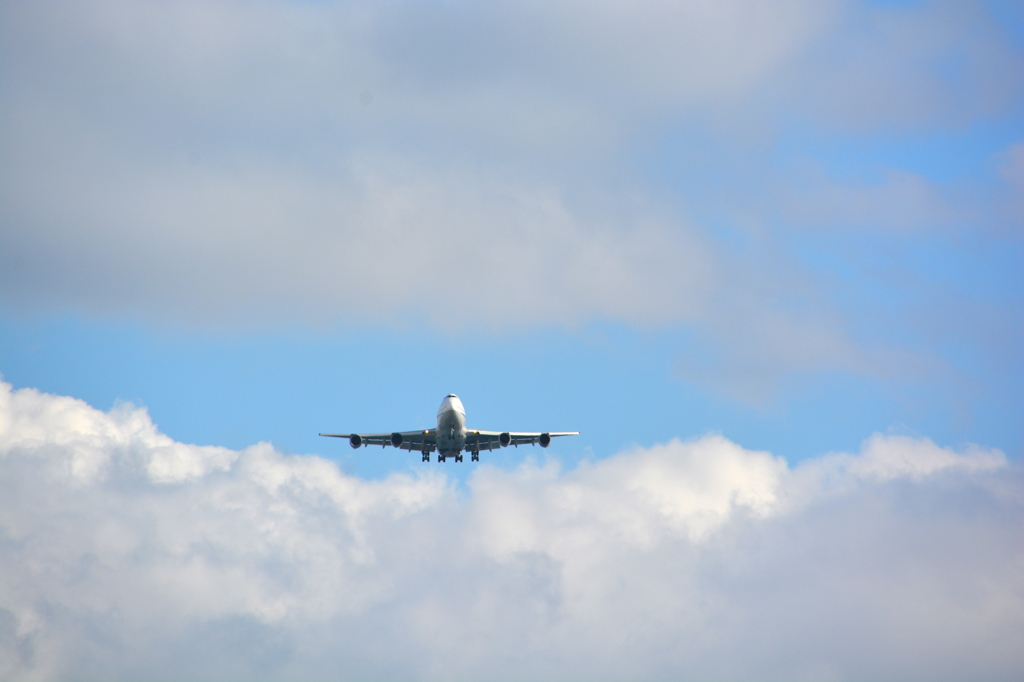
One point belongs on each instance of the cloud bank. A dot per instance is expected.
(126, 555)
(262, 165)
(315, 162)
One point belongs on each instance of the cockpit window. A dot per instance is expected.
(452, 395)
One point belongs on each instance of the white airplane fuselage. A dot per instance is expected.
(451, 437)
(451, 427)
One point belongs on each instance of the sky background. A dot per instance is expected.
(766, 257)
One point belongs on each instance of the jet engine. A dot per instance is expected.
(354, 440)
(505, 439)
(396, 439)
(545, 440)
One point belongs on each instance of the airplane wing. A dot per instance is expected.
(490, 440)
(420, 441)
(476, 440)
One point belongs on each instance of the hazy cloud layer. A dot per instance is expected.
(474, 166)
(126, 555)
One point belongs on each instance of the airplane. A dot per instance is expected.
(451, 436)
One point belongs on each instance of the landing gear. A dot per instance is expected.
(475, 457)
(458, 458)
(426, 456)
(441, 458)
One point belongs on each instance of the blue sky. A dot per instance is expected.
(809, 239)
(797, 227)
(618, 386)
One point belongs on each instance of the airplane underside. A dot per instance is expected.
(456, 452)
(451, 437)
(442, 456)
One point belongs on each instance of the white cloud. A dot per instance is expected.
(126, 555)
(464, 167)
(221, 161)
